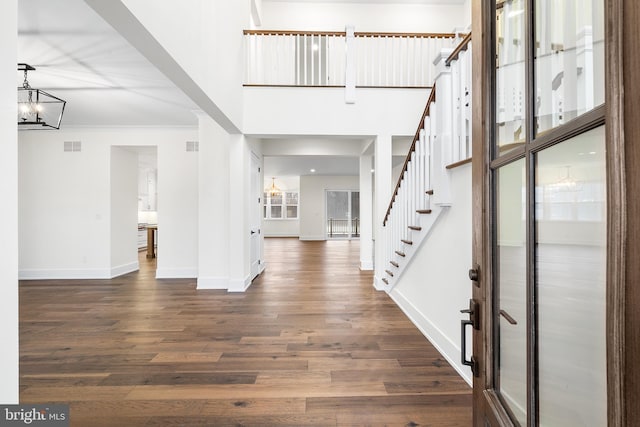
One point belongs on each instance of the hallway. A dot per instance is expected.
(310, 343)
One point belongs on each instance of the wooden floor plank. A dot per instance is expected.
(310, 343)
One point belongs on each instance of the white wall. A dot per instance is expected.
(124, 211)
(65, 201)
(9, 212)
(435, 286)
(177, 205)
(201, 35)
(322, 111)
(313, 202)
(333, 16)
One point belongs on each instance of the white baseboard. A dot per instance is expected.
(312, 238)
(445, 345)
(124, 269)
(176, 273)
(378, 284)
(366, 265)
(239, 285)
(64, 274)
(213, 283)
(280, 235)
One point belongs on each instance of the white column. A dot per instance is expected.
(239, 229)
(213, 205)
(351, 69)
(9, 197)
(366, 212)
(382, 197)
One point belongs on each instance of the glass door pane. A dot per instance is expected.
(338, 214)
(571, 266)
(511, 281)
(569, 60)
(510, 75)
(355, 213)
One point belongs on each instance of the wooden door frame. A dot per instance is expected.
(622, 90)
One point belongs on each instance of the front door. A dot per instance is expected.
(540, 225)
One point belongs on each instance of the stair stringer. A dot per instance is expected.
(428, 223)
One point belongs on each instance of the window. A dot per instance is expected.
(281, 206)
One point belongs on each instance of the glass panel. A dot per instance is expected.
(569, 60)
(571, 264)
(276, 212)
(276, 199)
(337, 214)
(510, 75)
(512, 287)
(292, 198)
(355, 213)
(292, 212)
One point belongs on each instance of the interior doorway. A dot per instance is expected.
(343, 214)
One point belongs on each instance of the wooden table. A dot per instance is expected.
(151, 240)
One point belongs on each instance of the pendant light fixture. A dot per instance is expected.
(273, 190)
(37, 109)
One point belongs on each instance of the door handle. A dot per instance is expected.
(473, 363)
(253, 232)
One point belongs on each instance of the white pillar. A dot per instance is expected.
(366, 212)
(9, 197)
(213, 205)
(383, 162)
(239, 230)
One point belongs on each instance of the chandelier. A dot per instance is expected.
(273, 190)
(37, 109)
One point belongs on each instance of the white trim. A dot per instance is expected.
(239, 285)
(314, 238)
(212, 283)
(378, 284)
(440, 341)
(60, 274)
(124, 269)
(366, 265)
(176, 273)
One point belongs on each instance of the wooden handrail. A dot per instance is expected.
(416, 137)
(343, 34)
(463, 45)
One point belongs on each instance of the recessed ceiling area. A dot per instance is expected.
(105, 81)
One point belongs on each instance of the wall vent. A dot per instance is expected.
(70, 146)
(193, 146)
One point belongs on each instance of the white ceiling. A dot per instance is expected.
(105, 81)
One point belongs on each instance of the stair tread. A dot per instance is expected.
(429, 192)
(423, 211)
(407, 242)
(415, 227)
(400, 253)
(395, 264)
(389, 273)
(385, 280)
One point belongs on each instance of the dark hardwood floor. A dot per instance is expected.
(310, 343)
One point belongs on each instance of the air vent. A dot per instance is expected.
(192, 146)
(70, 146)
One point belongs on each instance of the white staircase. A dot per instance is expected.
(442, 140)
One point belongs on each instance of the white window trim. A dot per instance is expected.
(267, 203)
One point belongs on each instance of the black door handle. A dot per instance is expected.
(463, 345)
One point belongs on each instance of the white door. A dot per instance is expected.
(255, 206)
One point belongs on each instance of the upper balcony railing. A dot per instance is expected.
(305, 58)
